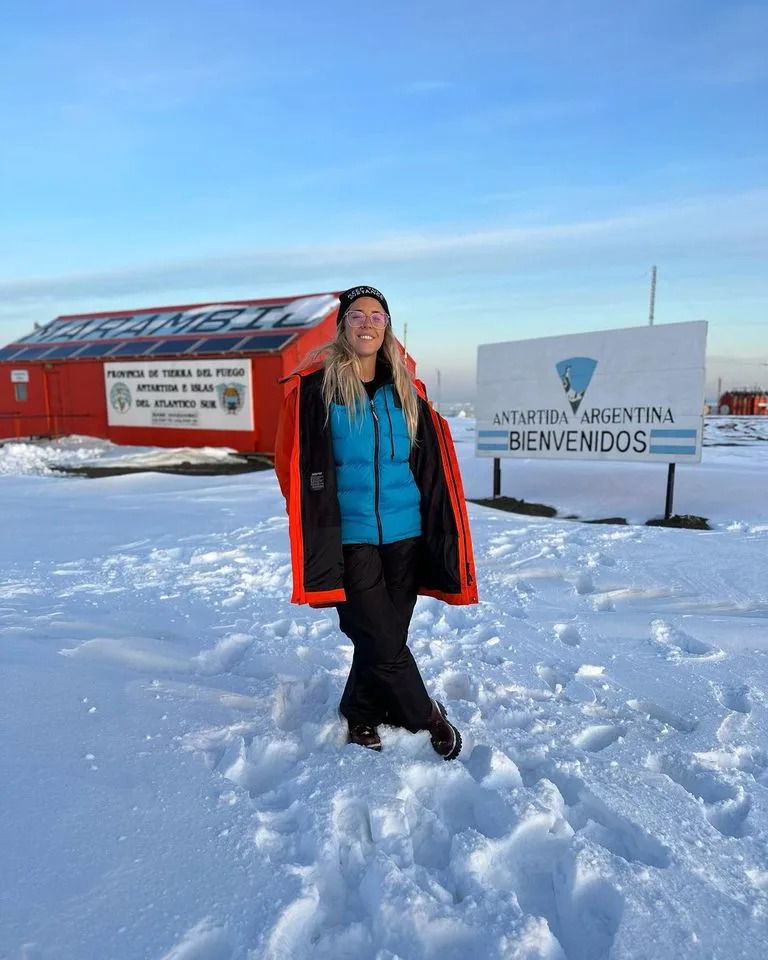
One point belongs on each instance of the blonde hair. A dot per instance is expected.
(342, 381)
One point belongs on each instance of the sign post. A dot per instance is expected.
(670, 491)
(496, 477)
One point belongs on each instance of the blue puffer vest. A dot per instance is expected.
(378, 496)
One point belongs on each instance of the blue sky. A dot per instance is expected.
(501, 170)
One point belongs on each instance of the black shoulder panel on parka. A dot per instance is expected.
(439, 568)
(320, 514)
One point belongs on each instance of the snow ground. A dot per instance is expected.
(39, 458)
(175, 782)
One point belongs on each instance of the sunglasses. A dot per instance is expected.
(356, 318)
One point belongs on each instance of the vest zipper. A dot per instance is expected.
(391, 431)
(376, 469)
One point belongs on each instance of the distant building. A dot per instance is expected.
(197, 375)
(750, 402)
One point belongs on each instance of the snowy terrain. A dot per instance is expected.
(23, 457)
(174, 781)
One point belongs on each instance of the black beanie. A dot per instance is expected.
(349, 296)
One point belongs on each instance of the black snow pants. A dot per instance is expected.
(384, 684)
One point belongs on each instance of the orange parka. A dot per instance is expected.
(306, 471)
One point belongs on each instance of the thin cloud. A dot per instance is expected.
(694, 227)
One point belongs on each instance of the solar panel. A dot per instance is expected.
(269, 342)
(31, 353)
(218, 344)
(63, 350)
(175, 346)
(152, 348)
(133, 349)
(97, 349)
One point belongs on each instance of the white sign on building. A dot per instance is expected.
(184, 394)
(632, 394)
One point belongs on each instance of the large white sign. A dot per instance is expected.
(632, 394)
(182, 394)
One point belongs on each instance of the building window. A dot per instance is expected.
(20, 392)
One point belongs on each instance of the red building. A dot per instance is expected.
(745, 403)
(195, 375)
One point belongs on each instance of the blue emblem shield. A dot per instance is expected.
(575, 375)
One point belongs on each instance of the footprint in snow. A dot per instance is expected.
(562, 683)
(726, 804)
(481, 633)
(584, 583)
(663, 716)
(678, 644)
(458, 800)
(296, 702)
(286, 834)
(592, 818)
(457, 685)
(350, 819)
(598, 736)
(493, 768)
(555, 677)
(283, 628)
(539, 864)
(745, 759)
(568, 633)
(732, 727)
(262, 765)
(735, 698)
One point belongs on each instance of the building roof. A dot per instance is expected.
(238, 326)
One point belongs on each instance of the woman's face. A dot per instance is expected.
(366, 337)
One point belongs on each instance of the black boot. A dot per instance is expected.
(445, 738)
(365, 735)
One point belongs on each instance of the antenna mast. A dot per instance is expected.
(653, 296)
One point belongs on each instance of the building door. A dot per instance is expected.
(54, 402)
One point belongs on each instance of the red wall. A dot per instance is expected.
(745, 403)
(16, 418)
(62, 399)
(68, 397)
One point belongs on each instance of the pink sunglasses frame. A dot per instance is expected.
(376, 313)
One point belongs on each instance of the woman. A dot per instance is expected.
(376, 513)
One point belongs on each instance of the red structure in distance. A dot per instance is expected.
(193, 375)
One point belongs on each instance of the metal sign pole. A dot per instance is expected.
(671, 466)
(497, 476)
(670, 491)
